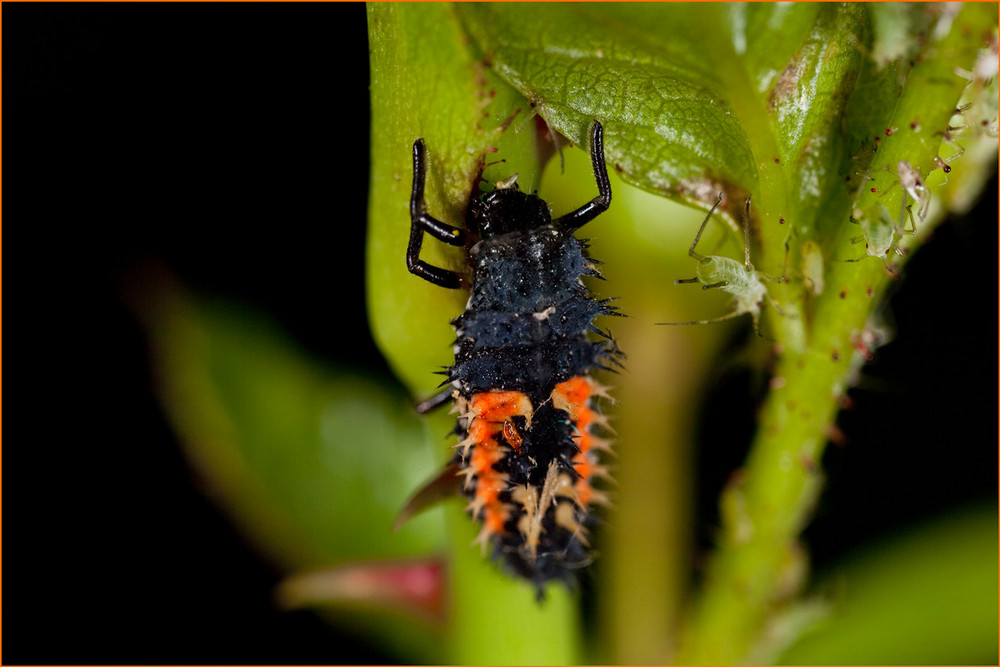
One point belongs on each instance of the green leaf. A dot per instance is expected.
(669, 122)
(927, 596)
(312, 462)
(787, 103)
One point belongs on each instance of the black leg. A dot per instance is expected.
(600, 203)
(421, 221)
(436, 401)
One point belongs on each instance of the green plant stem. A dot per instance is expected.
(759, 564)
(642, 595)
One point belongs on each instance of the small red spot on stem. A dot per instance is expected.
(835, 435)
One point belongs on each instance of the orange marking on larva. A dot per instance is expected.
(584, 467)
(583, 414)
(584, 418)
(494, 519)
(572, 394)
(500, 406)
(490, 415)
(483, 458)
(482, 431)
(488, 490)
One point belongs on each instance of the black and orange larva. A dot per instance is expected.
(528, 422)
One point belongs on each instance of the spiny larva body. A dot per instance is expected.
(529, 426)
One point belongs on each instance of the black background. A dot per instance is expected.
(230, 144)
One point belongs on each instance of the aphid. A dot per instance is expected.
(911, 181)
(880, 234)
(812, 267)
(942, 164)
(741, 280)
(981, 93)
(529, 426)
(948, 136)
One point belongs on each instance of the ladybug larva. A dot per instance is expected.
(529, 425)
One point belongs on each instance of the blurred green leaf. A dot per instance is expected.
(928, 596)
(312, 461)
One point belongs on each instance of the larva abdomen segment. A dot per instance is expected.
(574, 397)
(529, 474)
(489, 422)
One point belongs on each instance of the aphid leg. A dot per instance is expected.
(746, 251)
(948, 137)
(730, 316)
(746, 237)
(885, 262)
(755, 313)
(697, 237)
(912, 182)
(554, 138)
(701, 230)
(913, 223)
(421, 221)
(784, 264)
(552, 134)
(600, 203)
(773, 279)
(774, 304)
(776, 279)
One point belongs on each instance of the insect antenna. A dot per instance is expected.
(746, 237)
(701, 230)
(730, 316)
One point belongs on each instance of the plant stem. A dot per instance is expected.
(759, 564)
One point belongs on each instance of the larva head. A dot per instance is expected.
(507, 210)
